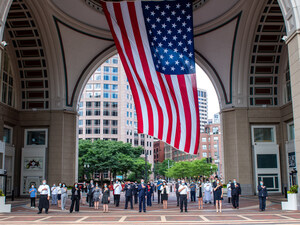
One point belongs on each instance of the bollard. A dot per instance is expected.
(285, 192)
(12, 195)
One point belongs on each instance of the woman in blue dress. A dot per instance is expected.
(218, 195)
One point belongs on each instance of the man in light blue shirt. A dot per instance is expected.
(32, 192)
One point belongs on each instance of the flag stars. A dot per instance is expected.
(182, 68)
(183, 11)
(186, 61)
(154, 38)
(152, 13)
(157, 7)
(167, 63)
(175, 50)
(164, 25)
(173, 13)
(158, 20)
(189, 29)
(162, 57)
(163, 13)
(170, 44)
(165, 38)
(174, 38)
(160, 44)
(179, 31)
(188, 17)
(168, 19)
(169, 32)
(188, 5)
(159, 32)
(165, 50)
(178, 6)
(174, 25)
(178, 18)
(171, 56)
(191, 67)
(147, 7)
(185, 49)
(168, 6)
(181, 56)
(184, 36)
(163, 68)
(176, 62)
(190, 42)
(153, 26)
(172, 68)
(184, 24)
(190, 55)
(148, 19)
(180, 43)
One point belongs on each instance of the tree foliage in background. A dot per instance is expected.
(138, 170)
(162, 168)
(191, 169)
(103, 155)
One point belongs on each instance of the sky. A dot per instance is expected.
(204, 82)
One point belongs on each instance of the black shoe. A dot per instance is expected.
(181, 211)
(186, 211)
(46, 212)
(70, 211)
(144, 211)
(140, 211)
(39, 212)
(125, 208)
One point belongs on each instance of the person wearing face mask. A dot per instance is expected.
(235, 193)
(64, 196)
(59, 195)
(33, 193)
(90, 193)
(44, 191)
(184, 195)
(135, 192)
(159, 187)
(262, 195)
(96, 196)
(149, 194)
(153, 188)
(199, 195)
(229, 191)
(105, 198)
(84, 199)
(75, 198)
(176, 190)
(164, 194)
(142, 196)
(54, 191)
(207, 192)
(218, 195)
(214, 185)
(117, 192)
(193, 191)
(128, 189)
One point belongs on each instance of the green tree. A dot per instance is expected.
(138, 170)
(164, 166)
(179, 170)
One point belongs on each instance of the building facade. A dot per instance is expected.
(106, 109)
(203, 109)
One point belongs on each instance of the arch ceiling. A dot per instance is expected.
(79, 36)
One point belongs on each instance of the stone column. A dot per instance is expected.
(4, 8)
(237, 148)
(62, 154)
(294, 60)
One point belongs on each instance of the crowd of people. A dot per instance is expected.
(142, 194)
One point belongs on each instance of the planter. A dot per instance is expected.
(4, 208)
(291, 204)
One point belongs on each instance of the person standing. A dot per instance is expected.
(105, 198)
(90, 193)
(207, 192)
(75, 198)
(135, 192)
(54, 191)
(117, 192)
(84, 191)
(164, 195)
(193, 191)
(214, 185)
(142, 196)
(218, 195)
(59, 195)
(149, 194)
(128, 194)
(158, 187)
(184, 195)
(44, 191)
(96, 196)
(33, 194)
(176, 191)
(229, 191)
(235, 193)
(64, 196)
(153, 188)
(262, 195)
(199, 195)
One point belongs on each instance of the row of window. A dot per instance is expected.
(113, 87)
(98, 95)
(97, 113)
(106, 130)
(97, 122)
(110, 69)
(106, 77)
(204, 139)
(98, 104)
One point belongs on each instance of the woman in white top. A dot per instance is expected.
(64, 196)
(164, 194)
(59, 195)
(229, 191)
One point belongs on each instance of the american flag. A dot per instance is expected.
(155, 42)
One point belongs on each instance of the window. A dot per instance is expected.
(97, 94)
(114, 131)
(97, 131)
(105, 95)
(80, 131)
(263, 134)
(114, 139)
(291, 132)
(114, 95)
(88, 130)
(89, 95)
(97, 86)
(216, 138)
(36, 137)
(106, 76)
(105, 113)
(114, 122)
(88, 104)
(89, 87)
(215, 130)
(80, 104)
(105, 122)
(106, 87)
(204, 147)
(99, 69)
(114, 87)
(106, 69)
(142, 142)
(115, 69)
(80, 122)
(7, 136)
(114, 113)
(88, 122)
(97, 77)
(97, 112)
(266, 161)
(203, 139)
(97, 122)
(105, 130)
(114, 78)
(114, 104)
(88, 112)
(115, 61)
(106, 104)
(97, 104)
(80, 113)
(216, 154)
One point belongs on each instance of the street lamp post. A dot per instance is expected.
(146, 170)
(86, 169)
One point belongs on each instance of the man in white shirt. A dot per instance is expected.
(184, 195)
(117, 192)
(44, 191)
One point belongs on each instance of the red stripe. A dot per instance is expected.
(187, 111)
(128, 50)
(168, 106)
(194, 85)
(178, 127)
(128, 72)
(145, 65)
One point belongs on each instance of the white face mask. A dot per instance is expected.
(44, 182)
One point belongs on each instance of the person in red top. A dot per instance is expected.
(123, 186)
(111, 188)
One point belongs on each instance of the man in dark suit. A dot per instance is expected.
(235, 192)
(135, 192)
(75, 198)
(214, 185)
(176, 189)
(90, 193)
(128, 194)
(142, 195)
(262, 195)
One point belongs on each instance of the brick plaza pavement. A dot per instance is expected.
(247, 214)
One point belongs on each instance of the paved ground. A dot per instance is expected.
(247, 214)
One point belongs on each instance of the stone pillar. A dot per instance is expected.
(4, 8)
(237, 148)
(294, 60)
(62, 154)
